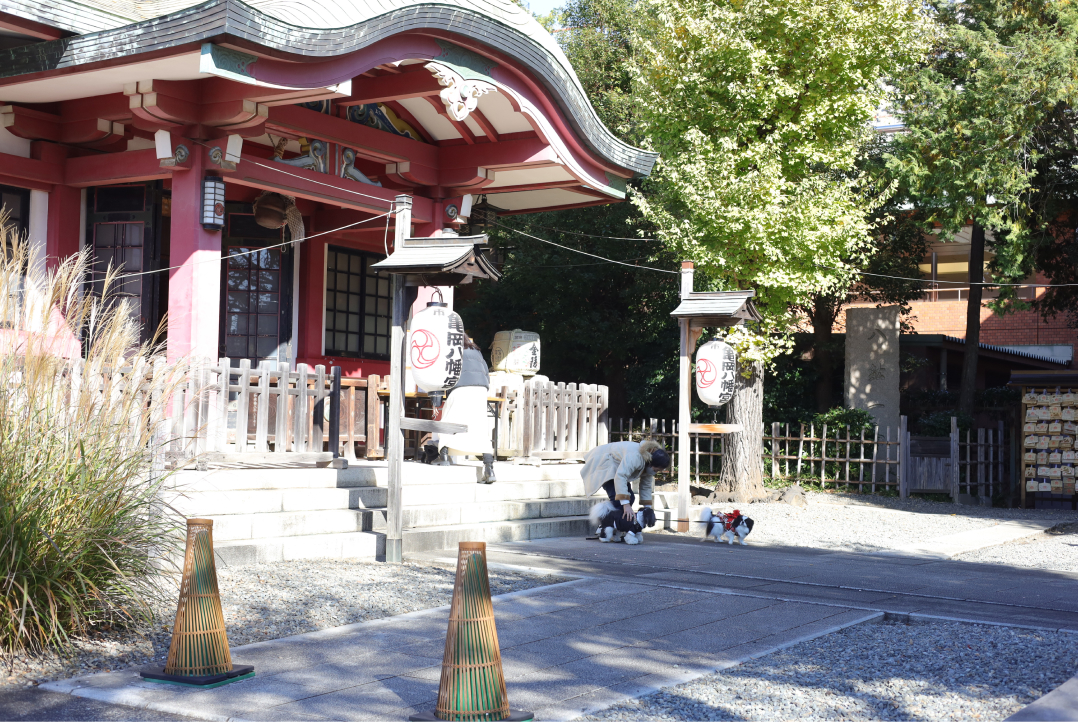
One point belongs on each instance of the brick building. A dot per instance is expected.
(1018, 341)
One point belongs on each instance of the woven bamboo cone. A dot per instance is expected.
(473, 684)
(199, 642)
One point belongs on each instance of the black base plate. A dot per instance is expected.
(157, 674)
(515, 715)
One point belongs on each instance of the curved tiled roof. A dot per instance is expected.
(108, 28)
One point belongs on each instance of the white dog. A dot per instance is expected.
(612, 526)
(725, 527)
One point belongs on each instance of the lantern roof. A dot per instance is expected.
(718, 308)
(442, 260)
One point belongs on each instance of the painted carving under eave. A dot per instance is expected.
(460, 96)
(349, 170)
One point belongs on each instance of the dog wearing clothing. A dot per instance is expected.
(722, 527)
(612, 526)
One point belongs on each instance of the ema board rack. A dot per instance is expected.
(1049, 417)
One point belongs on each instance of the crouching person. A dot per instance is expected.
(616, 468)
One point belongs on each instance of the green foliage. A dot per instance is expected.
(978, 113)
(596, 35)
(840, 418)
(83, 532)
(790, 390)
(760, 110)
(938, 423)
(600, 322)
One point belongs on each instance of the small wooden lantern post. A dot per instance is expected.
(696, 312)
(447, 260)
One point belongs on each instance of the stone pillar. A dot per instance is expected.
(194, 289)
(872, 363)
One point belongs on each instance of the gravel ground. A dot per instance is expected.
(939, 671)
(268, 601)
(1056, 550)
(864, 523)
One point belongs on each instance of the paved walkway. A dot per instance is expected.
(924, 585)
(566, 649)
(640, 618)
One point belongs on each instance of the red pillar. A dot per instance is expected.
(194, 289)
(65, 208)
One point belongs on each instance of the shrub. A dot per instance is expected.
(938, 423)
(838, 418)
(84, 535)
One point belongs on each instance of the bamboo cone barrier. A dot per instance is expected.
(199, 653)
(472, 687)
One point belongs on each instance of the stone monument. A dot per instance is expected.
(872, 364)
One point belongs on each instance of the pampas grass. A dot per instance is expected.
(84, 535)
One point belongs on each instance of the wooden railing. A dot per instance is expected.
(249, 414)
(269, 414)
(546, 420)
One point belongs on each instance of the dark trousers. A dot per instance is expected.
(608, 487)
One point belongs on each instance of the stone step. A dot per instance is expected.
(503, 490)
(446, 537)
(266, 501)
(359, 474)
(492, 511)
(348, 545)
(237, 479)
(232, 527)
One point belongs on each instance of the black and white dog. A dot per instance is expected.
(612, 526)
(726, 526)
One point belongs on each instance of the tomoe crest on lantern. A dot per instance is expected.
(716, 366)
(436, 347)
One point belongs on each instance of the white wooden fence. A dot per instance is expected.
(549, 420)
(214, 411)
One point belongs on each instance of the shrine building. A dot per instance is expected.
(150, 132)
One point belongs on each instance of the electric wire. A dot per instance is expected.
(262, 248)
(584, 253)
(961, 283)
(579, 265)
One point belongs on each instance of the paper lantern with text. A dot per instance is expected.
(436, 347)
(716, 366)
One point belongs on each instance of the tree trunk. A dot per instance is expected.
(742, 463)
(973, 320)
(823, 321)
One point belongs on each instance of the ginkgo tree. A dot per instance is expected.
(760, 110)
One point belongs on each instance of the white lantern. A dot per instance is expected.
(213, 203)
(716, 366)
(436, 347)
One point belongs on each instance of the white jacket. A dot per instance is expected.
(622, 461)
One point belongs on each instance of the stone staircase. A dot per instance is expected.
(275, 514)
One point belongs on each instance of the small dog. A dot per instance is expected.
(726, 526)
(612, 526)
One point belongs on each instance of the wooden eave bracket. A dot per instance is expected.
(36, 125)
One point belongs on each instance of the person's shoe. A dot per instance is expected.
(443, 456)
(487, 476)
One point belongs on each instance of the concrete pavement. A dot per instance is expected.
(567, 649)
(639, 618)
